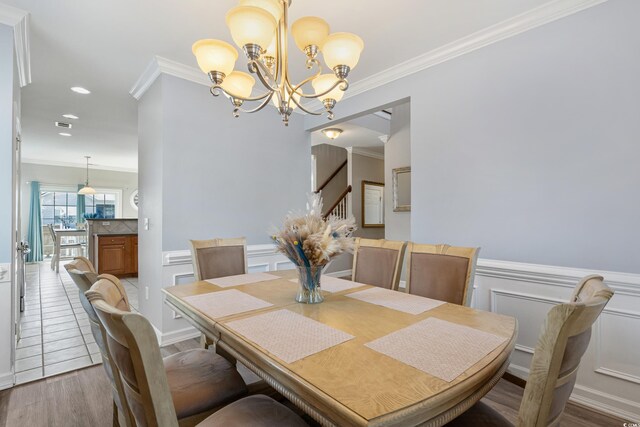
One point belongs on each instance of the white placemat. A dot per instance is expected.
(334, 284)
(288, 335)
(395, 300)
(225, 303)
(437, 347)
(241, 279)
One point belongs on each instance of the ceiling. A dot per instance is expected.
(361, 133)
(105, 46)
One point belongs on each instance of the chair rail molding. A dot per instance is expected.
(19, 20)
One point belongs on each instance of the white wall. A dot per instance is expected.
(71, 176)
(220, 176)
(9, 99)
(397, 154)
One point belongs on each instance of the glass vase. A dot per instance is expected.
(309, 285)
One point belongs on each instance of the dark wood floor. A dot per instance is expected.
(82, 398)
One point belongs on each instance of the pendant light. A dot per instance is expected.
(87, 189)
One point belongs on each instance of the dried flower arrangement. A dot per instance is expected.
(309, 240)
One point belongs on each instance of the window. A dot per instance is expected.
(60, 207)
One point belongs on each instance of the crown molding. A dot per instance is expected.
(367, 153)
(78, 165)
(160, 65)
(548, 12)
(519, 24)
(19, 20)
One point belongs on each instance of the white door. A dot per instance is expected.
(374, 204)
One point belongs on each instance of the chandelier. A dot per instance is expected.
(260, 28)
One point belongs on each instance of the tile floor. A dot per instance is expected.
(56, 336)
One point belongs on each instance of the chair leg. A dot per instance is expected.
(116, 422)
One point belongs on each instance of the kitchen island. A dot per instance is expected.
(113, 245)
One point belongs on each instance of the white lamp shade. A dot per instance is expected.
(272, 49)
(342, 49)
(87, 190)
(215, 55)
(308, 31)
(292, 105)
(274, 7)
(251, 25)
(239, 83)
(323, 83)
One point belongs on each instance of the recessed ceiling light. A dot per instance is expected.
(81, 90)
(64, 134)
(71, 116)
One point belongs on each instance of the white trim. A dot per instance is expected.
(368, 153)
(567, 277)
(526, 21)
(175, 336)
(160, 65)
(591, 398)
(184, 256)
(23, 50)
(7, 380)
(19, 20)
(78, 165)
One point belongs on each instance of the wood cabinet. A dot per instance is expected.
(118, 255)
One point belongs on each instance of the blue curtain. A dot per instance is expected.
(34, 234)
(80, 205)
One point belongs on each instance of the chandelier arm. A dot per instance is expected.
(215, 91)
(260, 68)
(291, 98)
(259, 107)
(305, 81)
(344, 87)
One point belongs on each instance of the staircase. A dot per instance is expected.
(340, 207)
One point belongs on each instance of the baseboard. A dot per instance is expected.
(343, 273)
(6, 380)
(606, 403)
(169, 338)
(592, 399)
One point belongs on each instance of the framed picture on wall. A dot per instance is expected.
(401, 189)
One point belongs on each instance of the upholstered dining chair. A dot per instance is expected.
(148, 386)
(441, 272)
(378, 262)
(84, 275)
(199, 380)
(562, 342)
(218, 257)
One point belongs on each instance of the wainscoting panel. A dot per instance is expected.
(609, 376)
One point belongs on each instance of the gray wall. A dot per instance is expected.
(397, 154)
(227, 177)
(328, 159)
(150, 202)
(205, 174)
(64, 175)
(529, 147)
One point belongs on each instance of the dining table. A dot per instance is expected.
(363, 357)
(61, 233)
